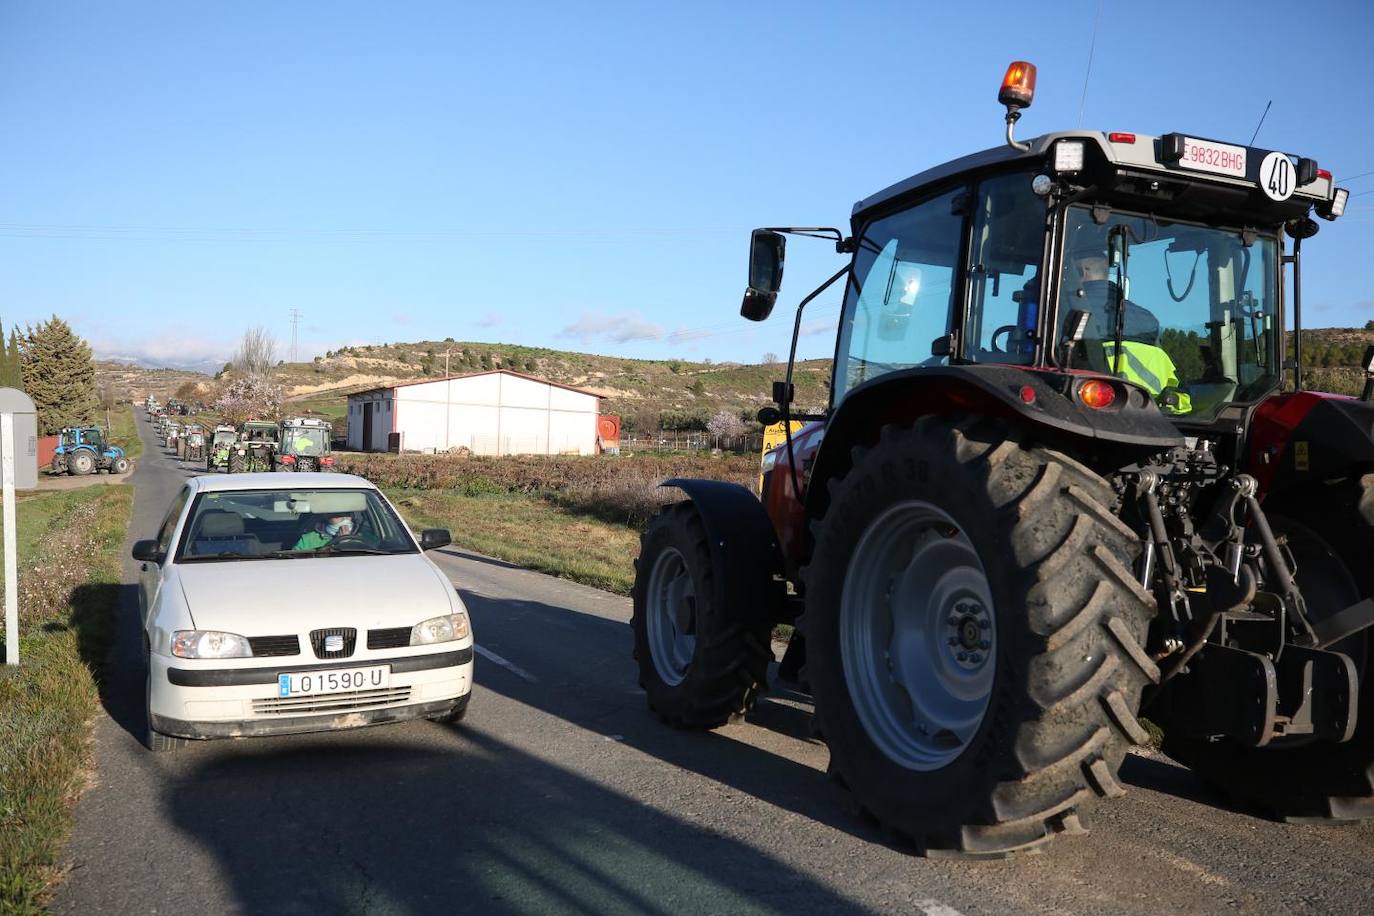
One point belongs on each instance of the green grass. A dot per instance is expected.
(123, 432)
(530, 531)
(70, 573)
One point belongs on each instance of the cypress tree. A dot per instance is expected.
(13, 361)
(5, 374)
(59, 374)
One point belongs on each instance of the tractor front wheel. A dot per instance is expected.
(119, 466)
(699, 663)
(974, 634)
(81, 463)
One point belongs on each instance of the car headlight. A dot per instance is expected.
(209, 644)
(440, 629)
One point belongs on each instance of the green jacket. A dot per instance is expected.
(312, 540)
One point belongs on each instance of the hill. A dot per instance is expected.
(648, 394)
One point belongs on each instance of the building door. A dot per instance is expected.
(367, 426)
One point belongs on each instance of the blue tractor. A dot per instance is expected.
(83, 450)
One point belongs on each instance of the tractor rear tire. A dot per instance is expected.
(974, 637)
(81, 463)
(236, 462)
(699, 664)
(1318, 782)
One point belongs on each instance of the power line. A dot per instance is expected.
(295, 334)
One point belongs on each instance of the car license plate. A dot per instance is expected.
(1208, 156)
(335, 680)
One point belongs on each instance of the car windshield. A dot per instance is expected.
(290, 524)
(305, 441)
(1193, 307)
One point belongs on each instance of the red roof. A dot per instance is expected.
(450, 378)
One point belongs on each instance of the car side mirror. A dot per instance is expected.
(431, 538)
(766, 255)
(147, 551)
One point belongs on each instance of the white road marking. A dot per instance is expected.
(936, 908)
(508, 665)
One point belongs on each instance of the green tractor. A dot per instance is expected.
(257, 443)
(304, 446)
(191, 446)
(222, 442)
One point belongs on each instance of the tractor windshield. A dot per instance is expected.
(1190, 307)
(305, 441)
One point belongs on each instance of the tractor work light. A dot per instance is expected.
(1018, 86)
(1068, 156)
(1334, 208)
(1097, 394)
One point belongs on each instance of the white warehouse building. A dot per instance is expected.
(498, 412)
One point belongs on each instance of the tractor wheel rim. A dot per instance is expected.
(670, 616)
(918, 635)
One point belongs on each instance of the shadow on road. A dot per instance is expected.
(596, 690)
(468, 824)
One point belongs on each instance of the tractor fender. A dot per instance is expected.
(1306, 437)
(1039, 401)
(745, 555)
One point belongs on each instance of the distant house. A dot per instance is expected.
(490, 413)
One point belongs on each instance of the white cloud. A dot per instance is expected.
(818, 326)
(169, 349)
(622, 327)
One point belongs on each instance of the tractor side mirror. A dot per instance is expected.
(766, 252)
(147, 551)
(431, 538)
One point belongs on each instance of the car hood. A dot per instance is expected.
(264, 597)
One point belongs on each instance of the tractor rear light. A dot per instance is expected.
(1324, 173)
(327, 461)
(288, 459)
(1068, 156)
(1097, 394)
(1018, 86)
(1118, 137)
(1027, 394)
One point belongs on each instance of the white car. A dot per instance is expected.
(280, 603)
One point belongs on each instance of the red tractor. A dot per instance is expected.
(1057, 488)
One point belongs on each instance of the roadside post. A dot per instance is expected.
(18, 468)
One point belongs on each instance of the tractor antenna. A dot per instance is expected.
(295, 337)
(1261, 122)
(1092, 46)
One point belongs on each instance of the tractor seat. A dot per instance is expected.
(222, 532)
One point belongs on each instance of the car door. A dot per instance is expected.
(150, 574)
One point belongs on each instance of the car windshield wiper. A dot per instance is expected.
(375, 551)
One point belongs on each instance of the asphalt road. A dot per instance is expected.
(561, 793)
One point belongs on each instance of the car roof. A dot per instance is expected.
(220, 483)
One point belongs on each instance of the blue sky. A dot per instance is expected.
(575, 175)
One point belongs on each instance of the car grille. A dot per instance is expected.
(392, 638)
(333, 702)
(350, 639)
(267, 646)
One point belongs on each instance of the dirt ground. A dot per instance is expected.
(48, 481)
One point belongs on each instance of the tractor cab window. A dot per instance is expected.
(1192, 307)
(1004, 276)
(307, 441)
(901, 292)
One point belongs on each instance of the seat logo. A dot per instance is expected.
(333, 644)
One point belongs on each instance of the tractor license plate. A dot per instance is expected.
(337, 680)
(1209, 156)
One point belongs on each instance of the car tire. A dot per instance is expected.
(154, 740)
(454, 715)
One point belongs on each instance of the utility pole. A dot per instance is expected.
(295, 336)
(446, 353)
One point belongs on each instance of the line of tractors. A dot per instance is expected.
(294, 444)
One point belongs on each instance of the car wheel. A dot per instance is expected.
(454, 715)
(154, 740)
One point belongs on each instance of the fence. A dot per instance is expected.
(693, 441)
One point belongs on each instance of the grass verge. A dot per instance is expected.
(529, 530)
(123, 432)
(70, 575)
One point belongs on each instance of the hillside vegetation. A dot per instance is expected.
(649, 394)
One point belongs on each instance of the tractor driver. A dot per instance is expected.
(301, 443)
(1142, 360)
(333, 528)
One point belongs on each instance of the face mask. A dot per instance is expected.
(333, 529)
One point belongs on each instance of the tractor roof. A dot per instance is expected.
(1126, 151)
